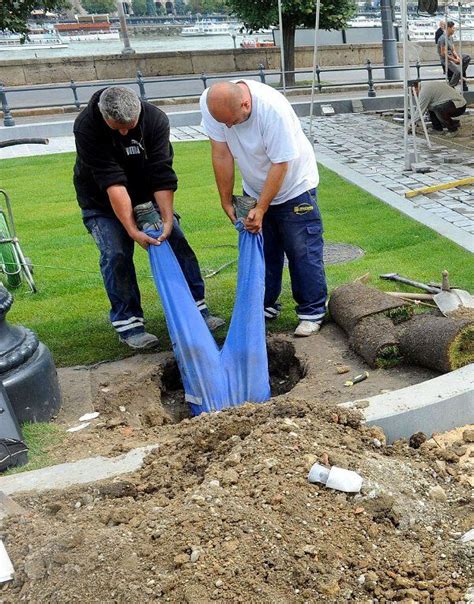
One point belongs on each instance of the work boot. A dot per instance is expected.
(140, 341)
(307, 328)
(214, 322)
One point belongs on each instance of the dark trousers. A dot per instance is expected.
(441, 116)
(118, 271)
(295, 228)
(455, 70)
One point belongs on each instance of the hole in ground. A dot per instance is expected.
(285, 369)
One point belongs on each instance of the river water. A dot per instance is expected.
(145, 44)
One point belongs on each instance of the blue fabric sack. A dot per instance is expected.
(214, 379)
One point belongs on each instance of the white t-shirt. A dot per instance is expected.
(272, 134)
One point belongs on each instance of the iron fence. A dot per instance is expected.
(8, 92)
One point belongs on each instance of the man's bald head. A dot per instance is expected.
(229, 103)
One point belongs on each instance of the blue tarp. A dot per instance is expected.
(214, 379)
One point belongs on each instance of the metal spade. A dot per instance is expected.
(448, 300)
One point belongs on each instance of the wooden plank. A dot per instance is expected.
(444, 185)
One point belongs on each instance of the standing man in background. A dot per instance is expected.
(125, 159)
(254, 125)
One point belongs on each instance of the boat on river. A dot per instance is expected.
(34, 41)
(206, 27)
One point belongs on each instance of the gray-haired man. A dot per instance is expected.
(124, 159)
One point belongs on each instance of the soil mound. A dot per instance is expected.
(222, 512)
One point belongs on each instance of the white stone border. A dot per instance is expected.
(436, 405)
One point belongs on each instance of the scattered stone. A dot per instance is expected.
(468, 435)
(437, 493)
(234, 459)
(312, 550)
(362, 404)
(195, 555)
(229, 477)
(219, 583)
(180, 559)
(343, 369)
(35, 567)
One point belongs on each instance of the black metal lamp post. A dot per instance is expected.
(27, 369)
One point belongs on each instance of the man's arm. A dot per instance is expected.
(223, 165)
(122, 206)
(275, 177)
(164, 199)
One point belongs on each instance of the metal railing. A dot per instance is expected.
(141, 82)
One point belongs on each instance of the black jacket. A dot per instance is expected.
(438, 33)
(142, 160)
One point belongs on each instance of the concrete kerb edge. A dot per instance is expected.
(436, 405)
(84, 471)
(465, 240)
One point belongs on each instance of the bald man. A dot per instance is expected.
(254, 125)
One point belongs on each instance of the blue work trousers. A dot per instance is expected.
(118, 271)
(295, 228)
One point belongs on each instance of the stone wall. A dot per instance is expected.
(116, 67)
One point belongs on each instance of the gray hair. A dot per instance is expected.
(119, 104)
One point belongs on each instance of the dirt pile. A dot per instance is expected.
(222, 511)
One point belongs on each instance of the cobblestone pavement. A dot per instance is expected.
(373, 147)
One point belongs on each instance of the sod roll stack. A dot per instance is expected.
(383, 332)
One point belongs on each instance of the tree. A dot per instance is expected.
(180, 7)
(256, 14)
(139, 7)
(99, 7)
(206, 6)
(14, 14)
(150, 8)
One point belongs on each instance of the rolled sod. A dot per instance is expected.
(440, 343)
(352, 302)
(375, 339)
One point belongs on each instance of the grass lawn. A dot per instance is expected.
(70, 311)
(40, 438)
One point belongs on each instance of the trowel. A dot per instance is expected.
(448, 300)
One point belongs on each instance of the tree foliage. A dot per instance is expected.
(15, 13)
(98, 7)
(180, 7)
(207, 6)
(256, 14)
(139, 7)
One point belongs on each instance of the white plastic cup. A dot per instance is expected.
(336, 478)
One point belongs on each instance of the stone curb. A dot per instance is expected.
(436, 405)
(83, 471)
